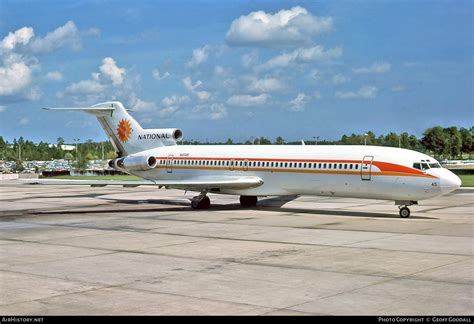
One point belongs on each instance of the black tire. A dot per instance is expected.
(194, 204)
(248, 201)
(404, 212)
(205, 203)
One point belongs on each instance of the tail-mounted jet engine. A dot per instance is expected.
(134, 163)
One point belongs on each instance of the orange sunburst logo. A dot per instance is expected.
(124, 130)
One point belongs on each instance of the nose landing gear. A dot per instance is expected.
(404, 211)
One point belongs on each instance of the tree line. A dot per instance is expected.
(443, 143)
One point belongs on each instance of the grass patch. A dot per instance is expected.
(467, 180)
(112, 177)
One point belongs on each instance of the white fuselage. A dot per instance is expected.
(340, 171)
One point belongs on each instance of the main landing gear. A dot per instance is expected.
(404, 211)
(201, 202)
(248, 201)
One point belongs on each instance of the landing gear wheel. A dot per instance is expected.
(205, 203)
(248, 201)
(404, 212)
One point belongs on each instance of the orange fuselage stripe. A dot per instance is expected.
(386, 168)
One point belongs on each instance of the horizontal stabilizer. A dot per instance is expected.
(96, 111)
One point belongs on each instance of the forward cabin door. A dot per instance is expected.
(366, 168)
(169, 163)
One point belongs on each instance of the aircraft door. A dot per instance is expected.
(169, 163)
(366, 167)
(246, 165)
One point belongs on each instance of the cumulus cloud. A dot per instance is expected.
(110, 69)
(193, 88)
(339, 79)
(20, 36)
(24, 121)
(365, 92)
(265, 85)
(286, 27)
(298, 103)
(301, 56)
(18, 59)
(247, 100)
(54, 76)
(377, 67)
(85, 87)
(200, 55)
(398, 88)
(174, 100)
(249, 59)
(65, 36)
(14, 78)
(214, 111)
(157, 76)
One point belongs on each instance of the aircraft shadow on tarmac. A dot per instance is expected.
(275, 204)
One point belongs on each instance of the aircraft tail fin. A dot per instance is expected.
(124, 132)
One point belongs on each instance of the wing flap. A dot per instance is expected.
(198, 183)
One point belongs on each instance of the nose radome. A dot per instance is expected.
(449, 182)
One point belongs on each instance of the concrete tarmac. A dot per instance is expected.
(113, 250)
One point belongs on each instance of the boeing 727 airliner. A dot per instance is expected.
(252, 171)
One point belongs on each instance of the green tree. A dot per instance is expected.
(229, 141)
(467, 141)
(434, 140)
(81, 163)
(279, 140)
(68, 156)
(453, 142)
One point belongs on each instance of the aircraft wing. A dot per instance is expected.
(196, 183)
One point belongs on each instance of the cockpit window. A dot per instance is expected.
(435, 165)
(425, 166)
(417, 166)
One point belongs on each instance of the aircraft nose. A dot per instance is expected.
(449, 182)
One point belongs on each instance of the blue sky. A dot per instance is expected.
(238, 69)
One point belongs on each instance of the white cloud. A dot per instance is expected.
(200, 55)
(174, 100)
(301, 56)
(365, 92)
(214, 111)
(188, 85)
(14, 78)
(286, 27)
(221, 71)
(247, 100)
(249, 59)
(157, 76)
(18, 60)
(111, 70)
(339, 79)
(377, 67)
(24, 121)
(398, 88)
(20, 36)
(265, 85)
(298, 103)
(85, 87)
(142, 105)
(65, 36)
(54, 76)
